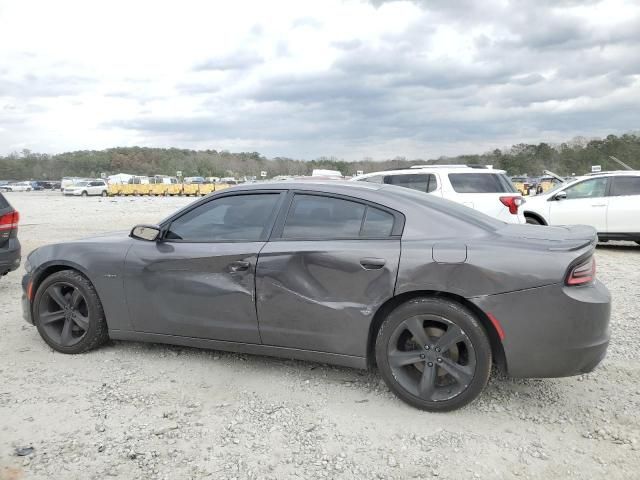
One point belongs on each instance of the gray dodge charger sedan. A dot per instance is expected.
(429, 291)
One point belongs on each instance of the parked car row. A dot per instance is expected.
(29, 185)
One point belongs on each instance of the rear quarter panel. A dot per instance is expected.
(493, 265)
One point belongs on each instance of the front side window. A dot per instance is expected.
(625, 186)
(593, 188)
(481, 183)
(233, 218)
(314, 217)
(421, 182)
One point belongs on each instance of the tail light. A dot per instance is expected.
(513, 203)
(583, 273)
(9, 221)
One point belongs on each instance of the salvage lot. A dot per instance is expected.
(136, 410)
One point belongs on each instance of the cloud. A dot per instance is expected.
(347, 78)
(235, 61)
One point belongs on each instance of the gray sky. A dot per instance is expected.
(351, 79)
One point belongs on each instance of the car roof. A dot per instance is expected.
(612, 172)
(432, 169)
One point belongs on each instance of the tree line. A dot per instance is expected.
(573, 157)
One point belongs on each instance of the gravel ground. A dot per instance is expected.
(133, 410)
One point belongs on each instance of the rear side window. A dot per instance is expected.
(377, 223)
(481, 183)
(233, 218)
(314, 217)
(625, 186)
(421, 182)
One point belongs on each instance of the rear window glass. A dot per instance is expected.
(625, 186)
(3, 202)
(481, 183)
(424, 182)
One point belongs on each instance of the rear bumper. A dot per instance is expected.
(10, 256)
(552, 331)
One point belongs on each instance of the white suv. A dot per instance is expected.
(608, 201)
(87, 187)
(482, 188)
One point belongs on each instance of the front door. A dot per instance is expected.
(321, 280)
(199, 280)
(585, 204)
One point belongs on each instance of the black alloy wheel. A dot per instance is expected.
(434, 354)
(64, 314)
(68, 313)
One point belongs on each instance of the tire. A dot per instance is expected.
(84, 194)
(468, 356)
(63, 285)
(533, 220)
(104, 193)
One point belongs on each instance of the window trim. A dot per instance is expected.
(278, 229)
(266, 231)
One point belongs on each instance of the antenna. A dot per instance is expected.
(620, 162)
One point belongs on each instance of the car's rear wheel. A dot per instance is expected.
(533, 220)
(104, 193)
(434, 354)
(69, 314)
(84, 194)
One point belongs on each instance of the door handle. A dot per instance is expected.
(239, 266)
(598, 204)
(372, 263)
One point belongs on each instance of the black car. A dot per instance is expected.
(9, 244)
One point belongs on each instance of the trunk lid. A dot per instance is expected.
(558, 238)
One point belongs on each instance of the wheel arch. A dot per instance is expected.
(49, 268)
(386, 308)
(537, 216)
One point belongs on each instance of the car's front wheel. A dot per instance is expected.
(68, 313)
(434, 354)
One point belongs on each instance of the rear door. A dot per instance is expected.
(585, 204)
(623, 213)
(199, 281)
(331, 263)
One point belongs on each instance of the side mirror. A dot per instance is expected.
(560, 196)
(150, 233)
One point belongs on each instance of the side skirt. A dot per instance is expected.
(251, 348)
